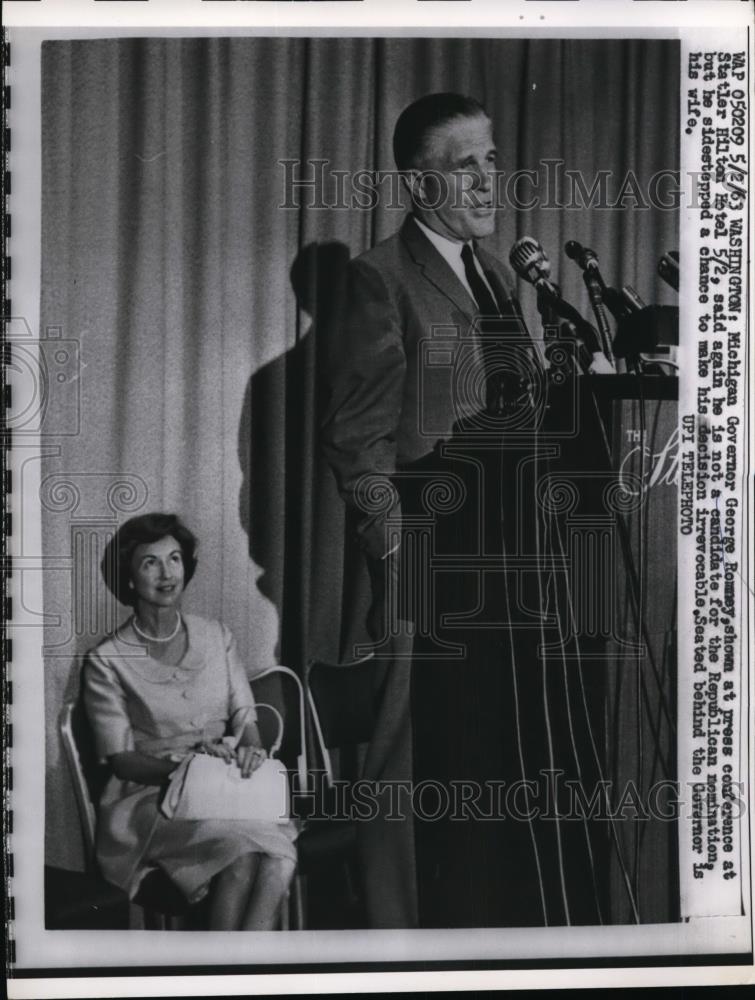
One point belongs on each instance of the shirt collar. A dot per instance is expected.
(450, 250)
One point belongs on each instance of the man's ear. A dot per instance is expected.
(414, 180)
(428, 188)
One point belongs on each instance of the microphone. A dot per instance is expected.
(620, 303)
(587, 260)
(584, 257)
(668, 268)
(632, 300)
(528, 260)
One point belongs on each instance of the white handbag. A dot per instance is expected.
(207, 787)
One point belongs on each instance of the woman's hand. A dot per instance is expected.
(216, 749)
(249, 759)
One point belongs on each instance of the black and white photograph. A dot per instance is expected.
(359, 460)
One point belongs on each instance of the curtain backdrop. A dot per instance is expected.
(194, 297)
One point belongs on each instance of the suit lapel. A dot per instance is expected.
(435, 269)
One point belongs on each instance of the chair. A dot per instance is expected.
(292, 750)
(83, 900)
(342, 701)
(161, 902)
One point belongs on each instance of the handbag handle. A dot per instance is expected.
(279, 738)
(301, 762)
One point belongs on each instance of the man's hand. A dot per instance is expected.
(384, 577)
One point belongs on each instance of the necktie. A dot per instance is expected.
(480, 290)
(504, 382)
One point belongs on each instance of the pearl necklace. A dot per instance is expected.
(158, 638)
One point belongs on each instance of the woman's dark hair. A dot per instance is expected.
(417, 120)
(116, 563)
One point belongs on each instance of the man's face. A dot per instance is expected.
(458, 186)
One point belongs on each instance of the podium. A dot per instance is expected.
(544, 575)
(641, 693)
(640, 415)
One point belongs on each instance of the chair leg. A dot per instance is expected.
(155, 921)
(285, 913)
(136, 921)
(349, 884)
(299, 891)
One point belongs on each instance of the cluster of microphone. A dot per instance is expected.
(639, 328)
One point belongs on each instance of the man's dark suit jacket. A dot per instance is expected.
(382, 412)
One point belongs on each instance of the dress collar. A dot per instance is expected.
(129, 646)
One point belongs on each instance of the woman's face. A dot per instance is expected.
(157, 572)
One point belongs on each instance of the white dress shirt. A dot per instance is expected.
(450, 251)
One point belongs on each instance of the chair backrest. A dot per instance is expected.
(343, 700)
(287, 699)
(88, 775)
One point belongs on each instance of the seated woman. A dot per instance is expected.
(163, 684)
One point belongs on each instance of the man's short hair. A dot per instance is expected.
(417, 121)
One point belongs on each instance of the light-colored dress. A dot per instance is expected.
(137, 703)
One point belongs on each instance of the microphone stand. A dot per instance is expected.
(595, 292)
(550, 305)
(587, 261)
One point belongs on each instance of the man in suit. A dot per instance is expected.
(432, 418)
(402, 289)
(384, 417)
